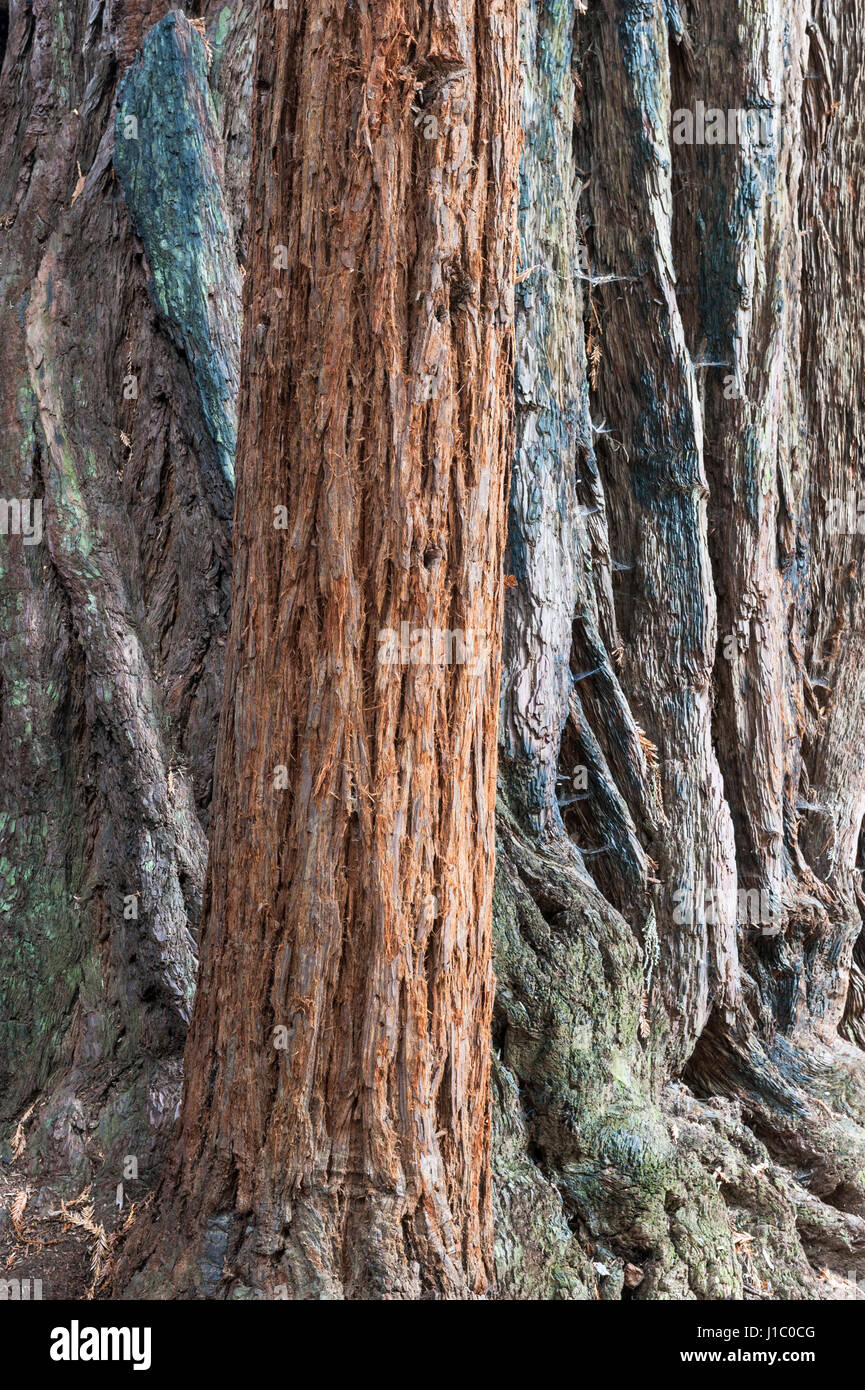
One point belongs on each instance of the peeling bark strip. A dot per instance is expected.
(335, 1128)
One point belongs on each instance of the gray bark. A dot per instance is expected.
(113, 624)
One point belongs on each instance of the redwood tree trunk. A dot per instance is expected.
(716, 696)
(112, 624)
(677, 914)
(334, 1137)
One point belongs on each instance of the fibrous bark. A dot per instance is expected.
(334, 1132)
(715, 335)
(676, 1044)
(113, 623)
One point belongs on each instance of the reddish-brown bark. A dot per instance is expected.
(352, 909)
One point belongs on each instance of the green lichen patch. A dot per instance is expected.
(168, 158)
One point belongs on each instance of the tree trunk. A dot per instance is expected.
(112, 625)
(677, 911)
(334, 1136)
(713, 594)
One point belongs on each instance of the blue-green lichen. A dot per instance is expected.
(168, 159)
